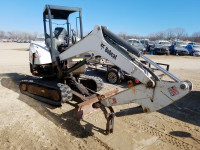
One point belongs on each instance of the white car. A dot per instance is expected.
(163, 42)
(195, 50)
(137, 44)
(161, 47)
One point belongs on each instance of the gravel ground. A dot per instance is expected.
(29, 124)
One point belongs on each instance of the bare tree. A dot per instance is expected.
(135, 36)
(123, 35)
(180, 32)
(195, 37)
(126, 37)
(35, 35)
(170, 34)
(12, 34)
(2, 34)
(152, 36)
(160, 35)
(18, 35)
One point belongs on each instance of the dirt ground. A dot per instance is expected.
(29, 124)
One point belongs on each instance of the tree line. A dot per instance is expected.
(17, 35)
(169, 34)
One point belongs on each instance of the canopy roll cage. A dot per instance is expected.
(59, 12)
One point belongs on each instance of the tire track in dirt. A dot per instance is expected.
(177, 123)
(162, 136)
(102, 143)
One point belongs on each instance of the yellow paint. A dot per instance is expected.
(147, 110)
(77, 59)
(43, 91)
(134, 90)
(130, 84)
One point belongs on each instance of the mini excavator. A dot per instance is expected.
(58, 64)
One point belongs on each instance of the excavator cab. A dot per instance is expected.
(58, 38)
(62, 29)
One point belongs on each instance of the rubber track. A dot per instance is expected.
(61, 88)
(66, 92)
(99, 81)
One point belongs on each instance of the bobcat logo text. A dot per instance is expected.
(109, 52)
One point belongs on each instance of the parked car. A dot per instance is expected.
(26, 41)
(137, 44)
(191, 43)
(40, 39)
(178, 48)
(161, 47)
(194, 50)
(14, 40)
(144, 42)
(19, 41)
(6, 40)
(149, 46)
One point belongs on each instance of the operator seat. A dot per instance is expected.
(60, 38)
(60, 41)
(75, 38)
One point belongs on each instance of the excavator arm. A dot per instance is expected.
(153, 94)
(96, 44)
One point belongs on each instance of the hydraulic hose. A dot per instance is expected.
(121, 42)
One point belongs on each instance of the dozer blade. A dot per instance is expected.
(47, 92)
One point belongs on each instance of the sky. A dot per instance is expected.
(140, 17)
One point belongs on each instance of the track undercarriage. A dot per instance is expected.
(56, 93)
(83, 91)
